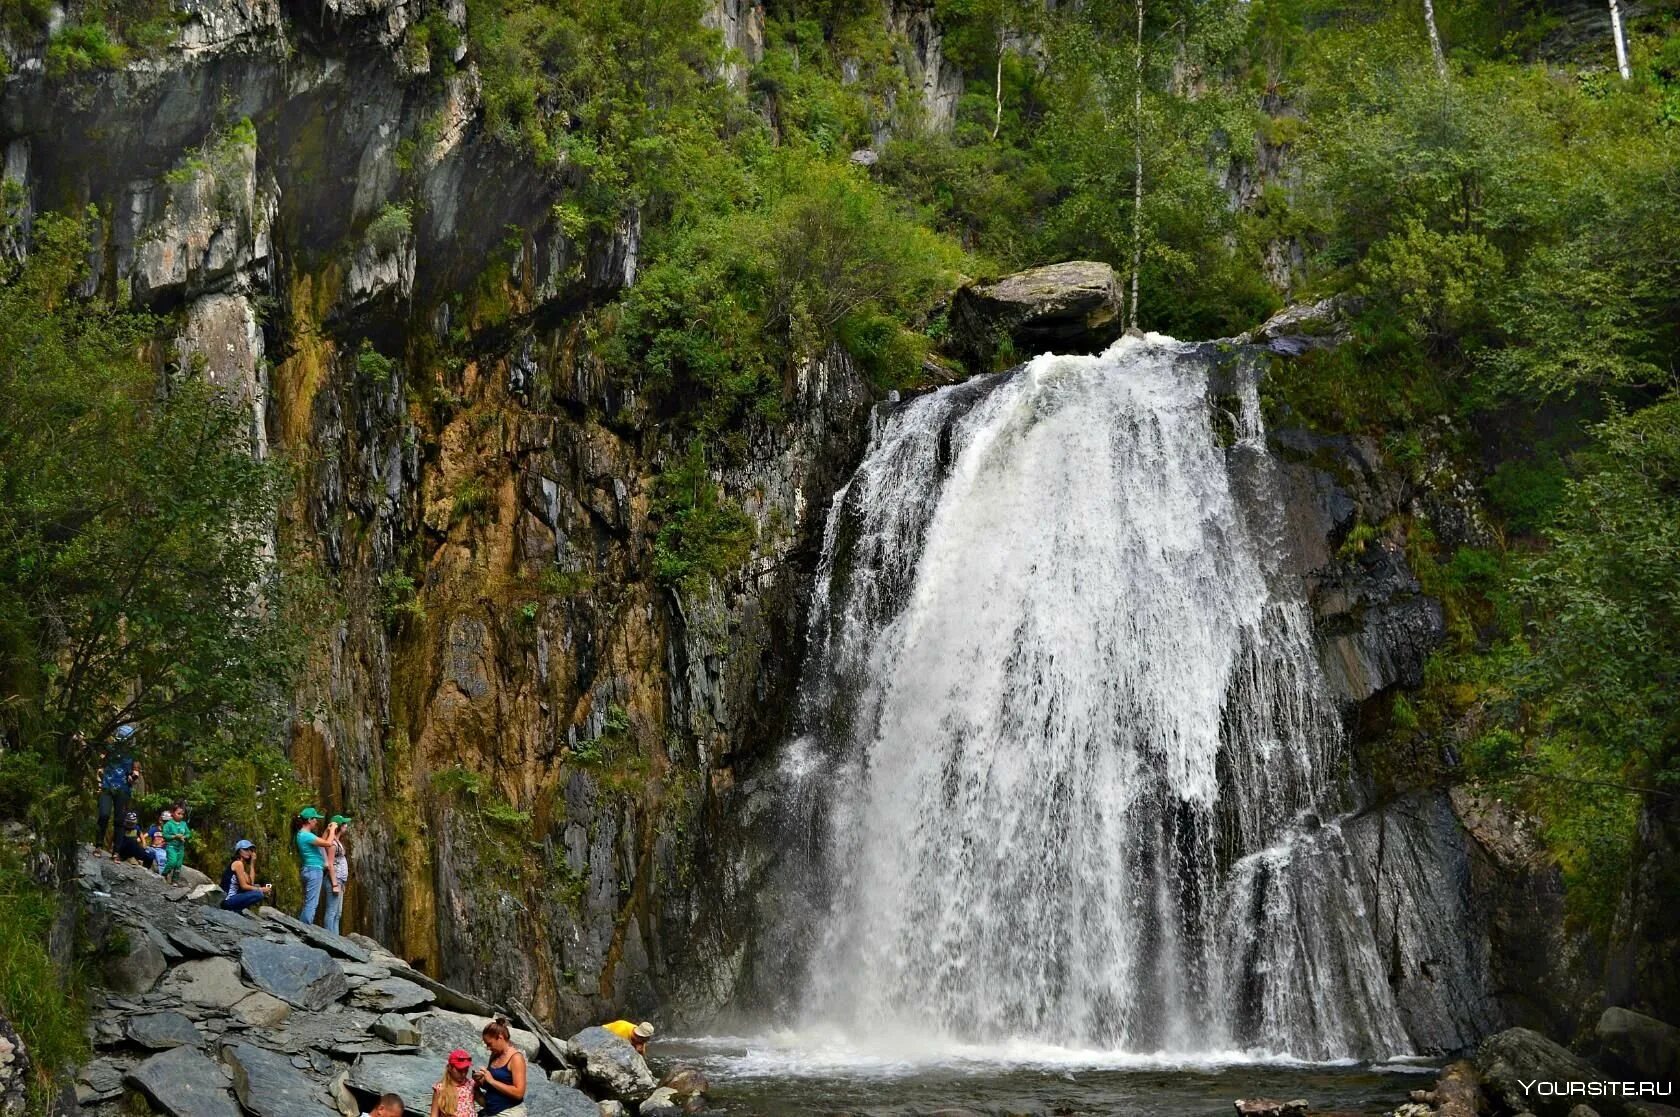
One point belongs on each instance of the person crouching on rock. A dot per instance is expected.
(637, 1034)
(240, 889)
(388, 1105)
(502, 1082)
(129, 847)
(312, 848)
(453, 1096)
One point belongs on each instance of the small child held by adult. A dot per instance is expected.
(389, 1105)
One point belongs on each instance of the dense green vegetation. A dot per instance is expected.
(137, 582)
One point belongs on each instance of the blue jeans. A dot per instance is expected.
(335, 910)
(311, 892)
(250, 897)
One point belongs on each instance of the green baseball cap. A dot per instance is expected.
(310, 814)
(341, 819)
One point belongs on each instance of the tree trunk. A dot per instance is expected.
(1435, 37)
(1137, 172)
(997, 121)
(1621, 40)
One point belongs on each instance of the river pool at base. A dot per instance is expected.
(776, 1076)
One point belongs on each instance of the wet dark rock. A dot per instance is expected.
(1639, 1046)
(1072, 307)
(302, 976)
(1517, 1055)
(183, 1083)
(162, 1030)
(610, 1065)
(271, 1085)
(661, 1103)
(1270, 1107)
(686, 1082)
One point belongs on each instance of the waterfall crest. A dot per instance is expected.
(1066, 742)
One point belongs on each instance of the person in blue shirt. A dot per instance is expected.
(312, 849)
(117, 772)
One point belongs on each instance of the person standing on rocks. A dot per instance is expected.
(453, 1096)
(637, 1035)
(240, 889)
(338, 872)
(502, 1081)
(312, 848)
(175, 835)
(117, 772)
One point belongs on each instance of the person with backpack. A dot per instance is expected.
(240, 889)
(175, 835)
(117, 772)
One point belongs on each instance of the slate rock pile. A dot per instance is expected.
(209, 1013)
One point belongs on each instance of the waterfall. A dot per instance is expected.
(1068, 769)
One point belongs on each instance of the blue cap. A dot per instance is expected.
(243, 844)
(124, 732)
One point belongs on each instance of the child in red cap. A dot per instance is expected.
(453, 1097)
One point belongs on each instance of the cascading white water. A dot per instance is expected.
(1066, 746)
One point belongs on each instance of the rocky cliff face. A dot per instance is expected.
(534, 732)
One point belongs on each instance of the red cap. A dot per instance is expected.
(459, 1059)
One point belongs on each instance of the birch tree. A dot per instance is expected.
(1435, 37)
(1621, 40)
(1137, 171)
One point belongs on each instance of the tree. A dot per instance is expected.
(1435, 37)
(1137, 173)
(1621, 40)
(138, 584)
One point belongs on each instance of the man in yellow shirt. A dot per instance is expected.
(637, 1034)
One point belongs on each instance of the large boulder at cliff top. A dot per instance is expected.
(302, 976)
(610, 1065)
(1516, 1056)
(1638, 1045)
(268, 1085)
(183, 1083)
(1073, 307)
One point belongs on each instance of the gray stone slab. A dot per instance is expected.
(300, 975)
(194, 944)
(270, 1085)
(316, 936)
(183, 1083)
(393, 994)
(160, 1031)
(207, 982)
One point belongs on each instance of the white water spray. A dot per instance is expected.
(1069, 745)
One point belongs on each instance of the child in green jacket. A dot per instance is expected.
(175, 835)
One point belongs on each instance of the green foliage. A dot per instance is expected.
(702, 535)
(135, 586)
(42, 1001)
(389, 228)
(83, 46)
(474, 790)
(372, 365)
